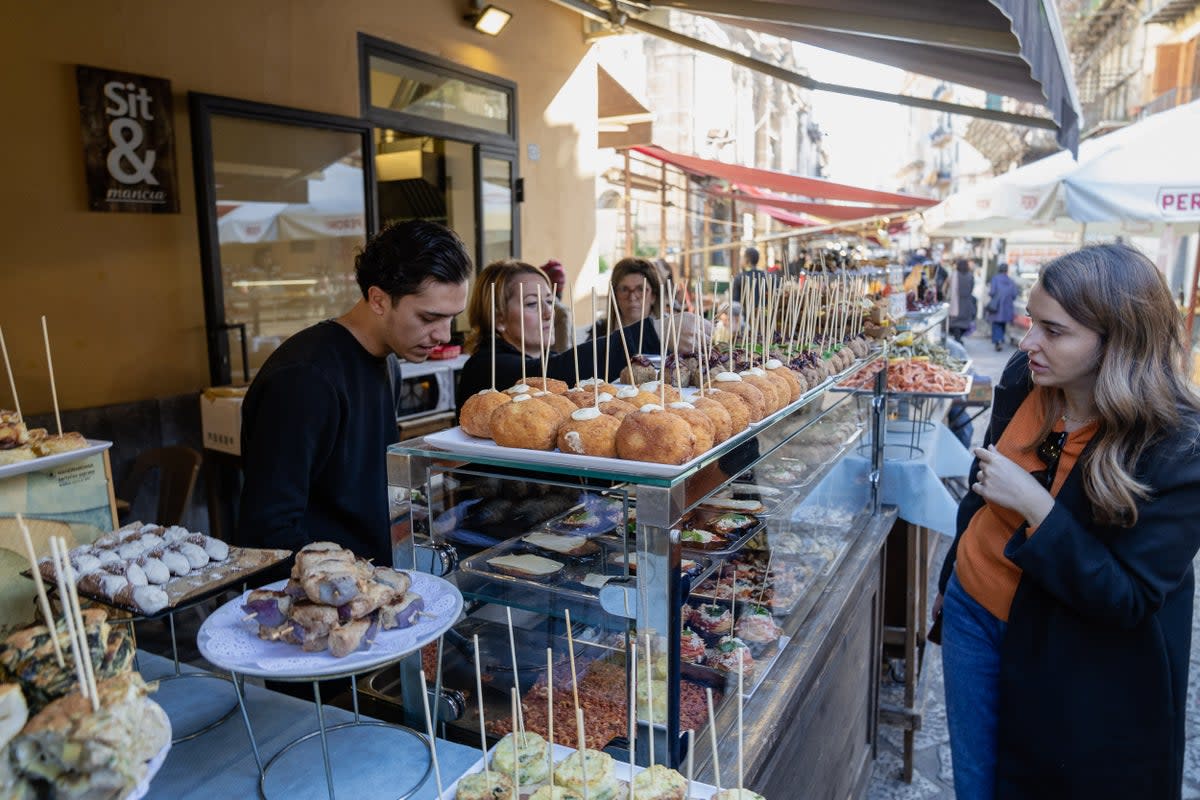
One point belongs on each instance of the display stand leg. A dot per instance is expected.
(239, 686)
(324, 739)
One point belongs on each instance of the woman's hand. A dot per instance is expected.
(1002, 482)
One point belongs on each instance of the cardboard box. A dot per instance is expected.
(221, 419)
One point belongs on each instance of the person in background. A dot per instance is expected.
(962, 300)
(562, 310)
(1002, 293)
(517, 288)
(318, 418)
(1066, 597)
(636, 284)
(750, 280)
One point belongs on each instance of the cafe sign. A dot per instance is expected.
(1179, 201)
(128, 141)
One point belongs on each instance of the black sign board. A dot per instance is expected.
(128, 141)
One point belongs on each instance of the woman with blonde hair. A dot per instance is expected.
(518, 288)
(1066, 605)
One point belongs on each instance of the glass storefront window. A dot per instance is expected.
(407, 88)
(498, 202)
(291, 215)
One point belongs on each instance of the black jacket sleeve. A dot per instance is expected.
(292, 429)
(1120, 576)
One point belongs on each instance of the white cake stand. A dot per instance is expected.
(230, 642)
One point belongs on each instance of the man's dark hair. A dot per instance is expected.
(752, 256)
(1002, 267)
(401, 257)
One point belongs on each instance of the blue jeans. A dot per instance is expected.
(971, 639)
(998, 331)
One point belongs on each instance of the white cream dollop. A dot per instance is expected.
(627, 391)
(583, 414)
(522, 397)
(754, 371)
(773, 363)
(650, 408)
(520, 388)
(681, 404)
(728, 377)
(574, 441)
(650, 386)
(603, 397)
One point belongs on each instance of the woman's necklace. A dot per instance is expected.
(1077, 421)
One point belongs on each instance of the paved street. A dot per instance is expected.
(932, 776)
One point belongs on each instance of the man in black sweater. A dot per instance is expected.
(319, 416)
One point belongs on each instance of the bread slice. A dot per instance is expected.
(60, 444)
(731, 504)
(526, 565)
(562, 543)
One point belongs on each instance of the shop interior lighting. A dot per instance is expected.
(489, 19)
(292, 282)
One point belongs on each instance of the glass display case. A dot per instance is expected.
(716, 565)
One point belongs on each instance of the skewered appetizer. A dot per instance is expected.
(702, 427)
(755, 625)
(737, 408)
(476, 416)
(710, 619)
(635, 396)
(13, 432)
(659, 782)
(717, 414)
(729, 653)
(485, 785)
(757, 378)
(732, 382)
(69, 751)
(658, 391)
(599, 768)
(651, 434)
(334, 600)
(589, 432)
(643, 371)
(562, 405)
(27, 656)
(691, 646)
(552, 385)
(526, 754)
(556, 793)
(525, 422)
(616, 408)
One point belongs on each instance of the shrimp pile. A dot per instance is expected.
(912, 376)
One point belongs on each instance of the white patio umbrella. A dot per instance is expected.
(1149, 175)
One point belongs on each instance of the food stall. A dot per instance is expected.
(798, 582)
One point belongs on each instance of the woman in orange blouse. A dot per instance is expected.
(1068, 591)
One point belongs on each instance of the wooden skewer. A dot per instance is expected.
(522, 288)
(571, 652)
(550, 714)
(12, 383)
(479, 694)
(493, 288)
(582, 751)
(624, 344)
(741, 673)
(437, 770)
(691, 750)
(712, 730)
(43, 601)
(574, 333)
(250, 616)
(662, 326)
(516, 773)
(50, 365)
(642, 318)
(733, 600)
(541, 336)
(89, 669)
(512, 646)
(60, 577)
(72, 633)
(595, 361)
(766, 578)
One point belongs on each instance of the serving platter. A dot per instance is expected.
(231, 642)
(44, 463)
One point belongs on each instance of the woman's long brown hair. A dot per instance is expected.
(480, 315)
(1142, 389)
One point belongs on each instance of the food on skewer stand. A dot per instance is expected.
(589, 432)
(526, 422)
(651, 434)
(334, 600)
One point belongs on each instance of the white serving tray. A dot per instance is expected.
(57, 460)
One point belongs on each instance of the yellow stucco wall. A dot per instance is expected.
(123, 291)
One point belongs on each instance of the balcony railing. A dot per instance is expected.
(1169, 99)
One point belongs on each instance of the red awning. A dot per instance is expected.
(828, 211)
(782, 182)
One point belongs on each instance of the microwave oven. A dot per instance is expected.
(424, 389)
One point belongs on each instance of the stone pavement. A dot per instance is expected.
(932, 771)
